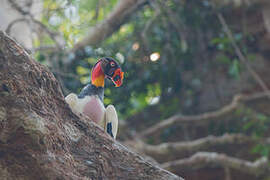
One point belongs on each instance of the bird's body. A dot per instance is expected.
(90, 100)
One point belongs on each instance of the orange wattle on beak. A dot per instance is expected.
(118, 77)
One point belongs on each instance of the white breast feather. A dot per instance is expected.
(93, 105)
(89, 105)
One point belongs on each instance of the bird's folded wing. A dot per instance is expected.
(71, 99)
(111, 117)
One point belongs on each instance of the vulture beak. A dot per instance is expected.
(118, 77)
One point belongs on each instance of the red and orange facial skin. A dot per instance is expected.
(118, 77)
(107, 67)
(97, 75)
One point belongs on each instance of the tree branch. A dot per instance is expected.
(207, 159)
(20, 9)
(28, 17)
(177, 150)
(119, 15)
(12, 23)
(123, 10)
(242, 58)
(147, 26)
(205, 116)
(59, 41)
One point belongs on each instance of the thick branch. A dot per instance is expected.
(119, 15)
(202, 117)
(21, 10)
(28, 17)
(122, 11)
(40, 137)
(8, 29)
(207, 159)
(177, 150)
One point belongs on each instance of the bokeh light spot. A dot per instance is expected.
(135, 46)
(154, 56)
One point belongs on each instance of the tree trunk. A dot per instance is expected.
(14, 19)
(40, 137)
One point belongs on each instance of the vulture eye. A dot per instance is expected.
(112, 64)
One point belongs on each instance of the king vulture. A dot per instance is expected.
(90, 99)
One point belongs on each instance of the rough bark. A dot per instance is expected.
(40, 137)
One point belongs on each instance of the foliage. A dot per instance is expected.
(168, 50)
(258, 127)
